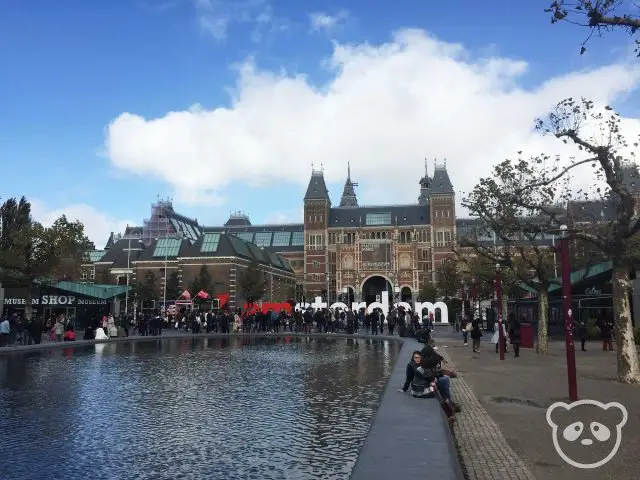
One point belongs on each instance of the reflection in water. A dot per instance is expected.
(285, 408)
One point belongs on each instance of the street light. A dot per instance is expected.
(568, 314)
(462, 299)
(474, 295)
(499, 300)
(345, 294)
(396, 290)
(126, 297)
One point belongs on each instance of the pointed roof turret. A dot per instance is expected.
(425, 186)
(317, 189)
(441, 184)
(110, 242)
(349, 199)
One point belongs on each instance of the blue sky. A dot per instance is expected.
(70, 69)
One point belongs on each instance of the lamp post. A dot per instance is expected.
(396, 290)
(499, 300)
(474, 299)
(568, 314)
(126, 295)
(462, 299)
(345, 293)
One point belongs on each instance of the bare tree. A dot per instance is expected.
(599, 16)
(615, 175)
(521, 235)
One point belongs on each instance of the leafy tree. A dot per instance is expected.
(448, 279)
(290, 293)
(173, 286)
(428, 292)
(598, 16)
(148, 288)
(202, 281)
(252, 283)
(519, 232)
(30, 252)
(612, 161)
(480, 272)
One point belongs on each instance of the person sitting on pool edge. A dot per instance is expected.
(434, 359)
(419, 377)
(429, 361)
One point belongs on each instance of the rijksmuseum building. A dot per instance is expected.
(346, 252)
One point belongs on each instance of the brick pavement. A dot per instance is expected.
(483, 451)
(502, 432)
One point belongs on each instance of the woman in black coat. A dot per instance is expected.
(514, 333)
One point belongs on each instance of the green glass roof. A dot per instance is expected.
(246, 236)
(240, 247)
(281, 239)
(257, 253)
(583, 274)
(263, 239)
(297, 239)
(167, 247)
(210, 243)
(576, 276)
(103, 292)
(96, 255)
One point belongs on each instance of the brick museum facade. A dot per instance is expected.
(344, 252)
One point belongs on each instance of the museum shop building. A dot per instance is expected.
(83, 303)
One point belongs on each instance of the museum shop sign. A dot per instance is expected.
(57, 300)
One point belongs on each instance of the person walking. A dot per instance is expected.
(465, 332)
(476, 335)
(581, 330)
(514, 333)
(5, 329)
(606, 333)
(59, 328)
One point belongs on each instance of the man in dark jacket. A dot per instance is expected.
(374, 319)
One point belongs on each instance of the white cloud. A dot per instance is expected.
(278, 218)
(216, 17)
(324, 21)
(97, 225)
(386, 108)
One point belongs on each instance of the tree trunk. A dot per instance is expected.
(505, 306)
(628, 369)
(28, 304)
(543, 322)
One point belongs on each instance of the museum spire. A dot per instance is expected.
(349, 198)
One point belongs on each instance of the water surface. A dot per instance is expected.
(250, 408)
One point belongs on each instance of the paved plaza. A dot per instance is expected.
(502, 432)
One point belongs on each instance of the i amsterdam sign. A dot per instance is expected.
(56, 300)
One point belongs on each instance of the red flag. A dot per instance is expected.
(202, 294)
(186, 295)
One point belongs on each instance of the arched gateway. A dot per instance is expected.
(373, 287)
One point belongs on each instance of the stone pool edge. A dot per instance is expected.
(371, 463)
(422, 443)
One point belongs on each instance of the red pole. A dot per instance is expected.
(474, 294)
(568, 316)
(499, 300)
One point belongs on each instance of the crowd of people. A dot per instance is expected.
(18, 330)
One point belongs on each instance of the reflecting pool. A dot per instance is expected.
(191, 408)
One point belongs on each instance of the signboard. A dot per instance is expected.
(376, 255)
(56, 300)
